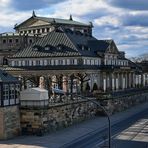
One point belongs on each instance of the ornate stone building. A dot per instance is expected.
(70, 58)
(31, 30)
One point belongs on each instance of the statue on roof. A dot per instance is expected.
(70, 18)
(33, 13)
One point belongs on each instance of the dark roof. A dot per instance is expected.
(70, 43)
(5, 77)
(56, 21)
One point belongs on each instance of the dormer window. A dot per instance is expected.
(60, 47)
(47, 48)
(37, 47)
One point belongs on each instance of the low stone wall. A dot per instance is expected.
(9, 122)
(122, 103)
(39, 120)
(61, 115)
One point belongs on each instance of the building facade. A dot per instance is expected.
(67, 57)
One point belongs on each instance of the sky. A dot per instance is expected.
(124, 21)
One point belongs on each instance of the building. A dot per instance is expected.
(9, 106)
(69, 57)
(31, 30)
(10, 43)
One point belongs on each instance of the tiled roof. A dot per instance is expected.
(5, 77)
(71, 45)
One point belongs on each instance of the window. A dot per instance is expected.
(16, 63)
(47, 48)
(6, 91)
(68, 61)
(20, 63)
(37, 62)
(88, 62)
(33, 31)
(47, 29)
(71, 61)
(43, 30)
(30, 62)
(26, 63)
(45, 62)
(52, 62)
(4, 41)
(48, 62)
(16, 40)
(38, 31)
(30, 41)
(12, 91)
(12, 63)
(23, 63)
(34, 63)
(41, 62)
(75, 61)
(60, 62)
(64, 62)
(10, 40)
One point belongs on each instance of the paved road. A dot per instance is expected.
(132, 132)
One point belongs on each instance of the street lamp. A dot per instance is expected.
(108, 117)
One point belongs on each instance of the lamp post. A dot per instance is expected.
(108, 117)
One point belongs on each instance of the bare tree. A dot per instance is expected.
(82, 77)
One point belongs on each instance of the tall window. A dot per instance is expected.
(6, 91)
(12, 91)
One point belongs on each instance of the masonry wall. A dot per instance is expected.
(9, 122)
(119, 104)
(41, 120)
(38, 121)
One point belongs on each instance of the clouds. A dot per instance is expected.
(139, 19)
(24, 5)
(125, 21)
(130, 4)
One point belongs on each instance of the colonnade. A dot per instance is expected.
(105, 81)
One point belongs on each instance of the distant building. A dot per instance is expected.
(31, 30)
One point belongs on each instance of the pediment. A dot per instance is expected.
(38, 23)
(32, 22)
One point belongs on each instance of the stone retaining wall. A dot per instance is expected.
(57, 116)
(39, 121)
(122, 103)
(9, 122)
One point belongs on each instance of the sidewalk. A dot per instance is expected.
(70, 134)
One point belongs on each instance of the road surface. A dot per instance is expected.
(132, 132)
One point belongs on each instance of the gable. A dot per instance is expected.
(112, 48)
(38, 23)
(32, 22)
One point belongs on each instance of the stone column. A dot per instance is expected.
(113, 82)
(129, 80)
(42, 83)
(117, 81)
(104, 82)
(65, 84)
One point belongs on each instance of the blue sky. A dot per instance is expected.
(125, 21)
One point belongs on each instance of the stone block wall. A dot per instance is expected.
(122, 103)
(39, 121)
(9, 122)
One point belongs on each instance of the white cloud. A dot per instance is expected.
(107, 20)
